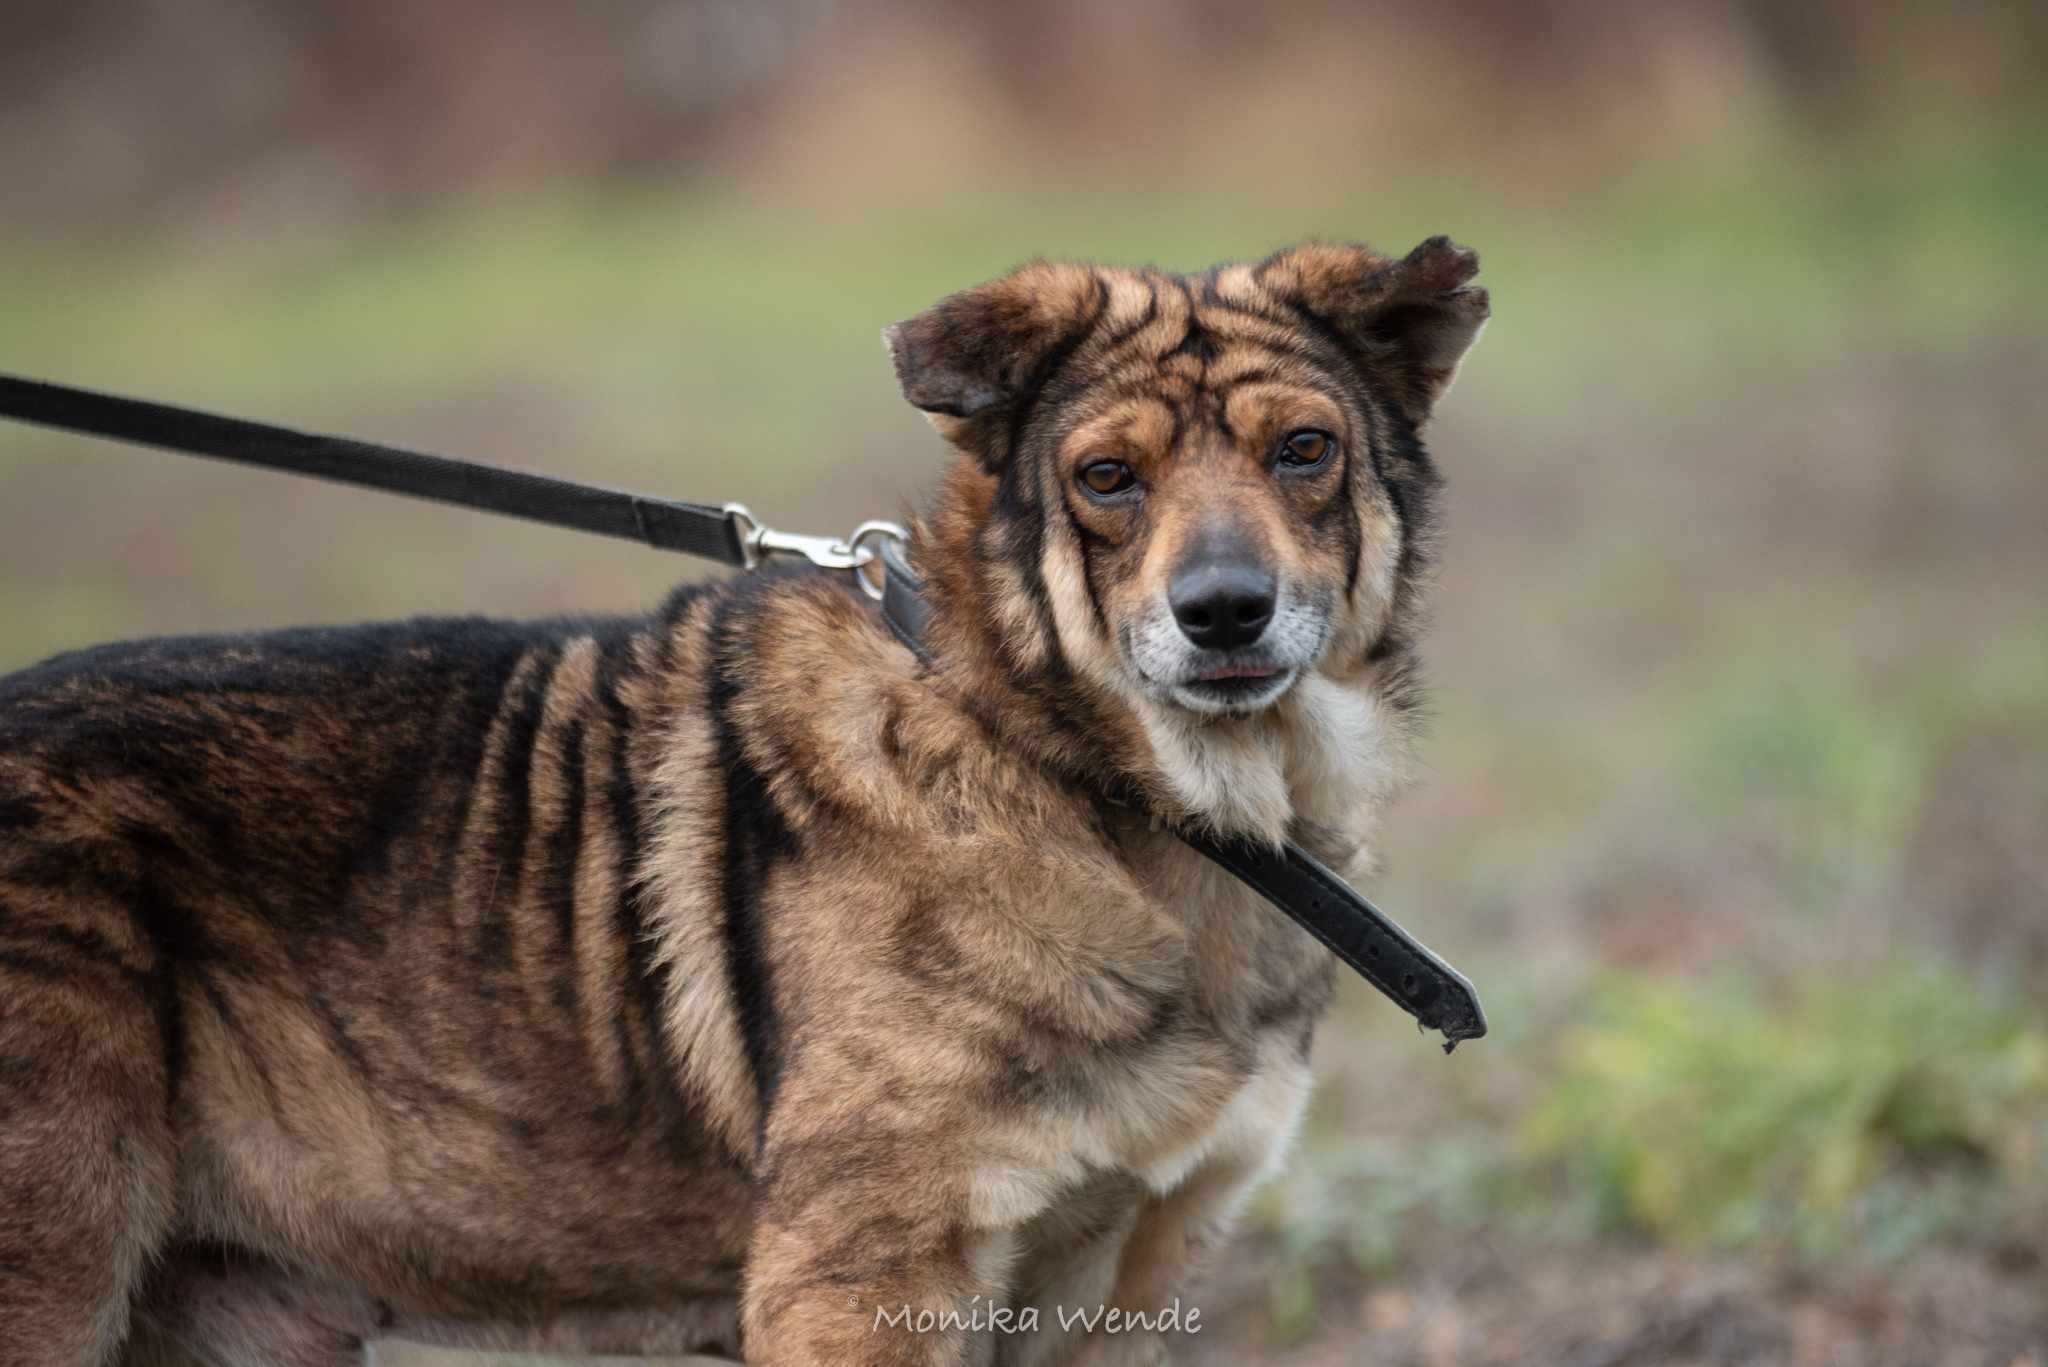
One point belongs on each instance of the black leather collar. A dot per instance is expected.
(1369, 941)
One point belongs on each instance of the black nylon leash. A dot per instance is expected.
(1370, 942)
(664, 524)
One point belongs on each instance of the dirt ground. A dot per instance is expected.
(1625, 1307)
(1607, 1306)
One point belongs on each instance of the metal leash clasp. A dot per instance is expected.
(759, 541)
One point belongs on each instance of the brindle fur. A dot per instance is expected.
(717, 978)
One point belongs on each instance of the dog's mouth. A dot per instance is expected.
(1218, 683)
(1239, 671)
(1236, 688)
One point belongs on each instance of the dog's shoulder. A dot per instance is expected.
(960, 864)
(851, 728)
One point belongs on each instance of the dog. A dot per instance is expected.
(732, 979)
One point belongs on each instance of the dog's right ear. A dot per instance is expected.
(968, 360)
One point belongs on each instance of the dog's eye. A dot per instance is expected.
(1107, 477)
(1306, 447)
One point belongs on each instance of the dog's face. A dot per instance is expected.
(1197, 490)
(1213, 514)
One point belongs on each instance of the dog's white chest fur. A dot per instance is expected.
(1327, 756)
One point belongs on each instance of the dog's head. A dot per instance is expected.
(1194, 492)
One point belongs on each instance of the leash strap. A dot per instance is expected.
(666, 525)
(1365, 938)
(1369, 941)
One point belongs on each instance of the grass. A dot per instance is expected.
(1767, 254)
(1721, 1113)
(1852, 1120)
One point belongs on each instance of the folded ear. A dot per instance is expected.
(970, 358)
(1411, 321)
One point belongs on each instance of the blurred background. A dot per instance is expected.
(1736, 802)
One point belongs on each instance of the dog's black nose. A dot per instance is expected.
(1222, 606)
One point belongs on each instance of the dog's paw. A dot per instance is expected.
(1147, 1349)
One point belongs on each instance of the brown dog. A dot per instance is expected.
(727, 978)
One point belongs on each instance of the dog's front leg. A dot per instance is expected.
(1172, 1242)
(863, 1256)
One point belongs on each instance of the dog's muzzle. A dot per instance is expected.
(1227, 642)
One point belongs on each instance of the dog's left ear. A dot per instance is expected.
(1409, 321)
(968, 359)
